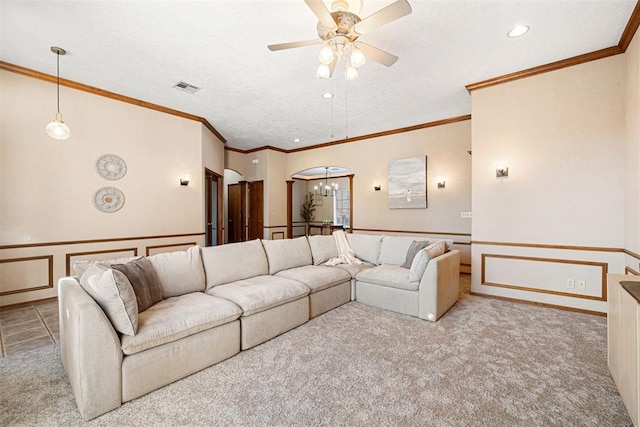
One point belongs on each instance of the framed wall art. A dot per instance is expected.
(408, 183)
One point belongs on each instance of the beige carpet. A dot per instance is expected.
(486, 362)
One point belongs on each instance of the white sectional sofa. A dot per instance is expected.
(210, 303)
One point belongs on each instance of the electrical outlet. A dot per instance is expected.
(571, 283)
(581, 285)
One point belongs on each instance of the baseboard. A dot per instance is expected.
(28, 303)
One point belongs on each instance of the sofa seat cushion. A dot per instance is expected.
(260, 293)
(392, 276)
(354, 269)
(177, 317)
(316, 277)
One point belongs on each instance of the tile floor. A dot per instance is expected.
(28, 327)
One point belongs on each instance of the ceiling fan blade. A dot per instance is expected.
(291, 45)
(321, 12)
(388, 14)
(378, 55)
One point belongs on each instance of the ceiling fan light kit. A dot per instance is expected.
(339, 31)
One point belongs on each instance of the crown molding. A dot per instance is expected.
(529, 72)
(631, 28)
(100, 92)
(627, 35)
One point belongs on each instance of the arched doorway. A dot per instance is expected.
(330, 191)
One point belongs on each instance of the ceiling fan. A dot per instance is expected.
(339, 30)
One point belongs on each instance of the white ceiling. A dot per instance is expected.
(255, 97)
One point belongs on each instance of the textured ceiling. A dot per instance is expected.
(255, 97)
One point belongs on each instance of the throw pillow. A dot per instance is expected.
(114, 294)
(144, 280)
(421, 260)
(82, 265)
(415, 247)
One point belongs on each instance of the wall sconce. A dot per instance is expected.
(184, 180)
(376, 187)
(441, 183)
(502, 171)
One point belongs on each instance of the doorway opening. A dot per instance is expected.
(213, 202)
(330, 190)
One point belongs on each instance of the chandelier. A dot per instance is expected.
(328, 190)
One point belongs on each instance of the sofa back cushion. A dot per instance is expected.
(393, 249)
(179, 272)
(366, 247)
(232, 262)
(284, 254)
(323, 248)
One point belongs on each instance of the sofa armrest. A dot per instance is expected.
(90, 349)
(439, 286)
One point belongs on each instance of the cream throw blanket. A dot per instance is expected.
(345, 253)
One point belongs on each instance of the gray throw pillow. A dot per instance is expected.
(415, 247)
(144, 280)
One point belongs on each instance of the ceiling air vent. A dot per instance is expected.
(186, 87)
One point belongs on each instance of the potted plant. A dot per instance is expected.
(307, 211)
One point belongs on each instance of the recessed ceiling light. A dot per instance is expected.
(518, 30)
(296, 140)
(327, 95)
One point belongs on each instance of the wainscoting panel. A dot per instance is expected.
(30, 271)
(525, 273)
(538, 273)
(272, 232)
(26, 274)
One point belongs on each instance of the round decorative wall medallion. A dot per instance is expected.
(111, 167)
(108, 199)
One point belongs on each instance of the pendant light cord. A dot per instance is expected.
(346, 108)
(58, 79)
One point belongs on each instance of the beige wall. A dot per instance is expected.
(446, 149)
(561, 134)
(632, 152)
(236, 161)
(46, 186)
(276, 195)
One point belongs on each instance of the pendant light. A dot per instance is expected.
(57, 129)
